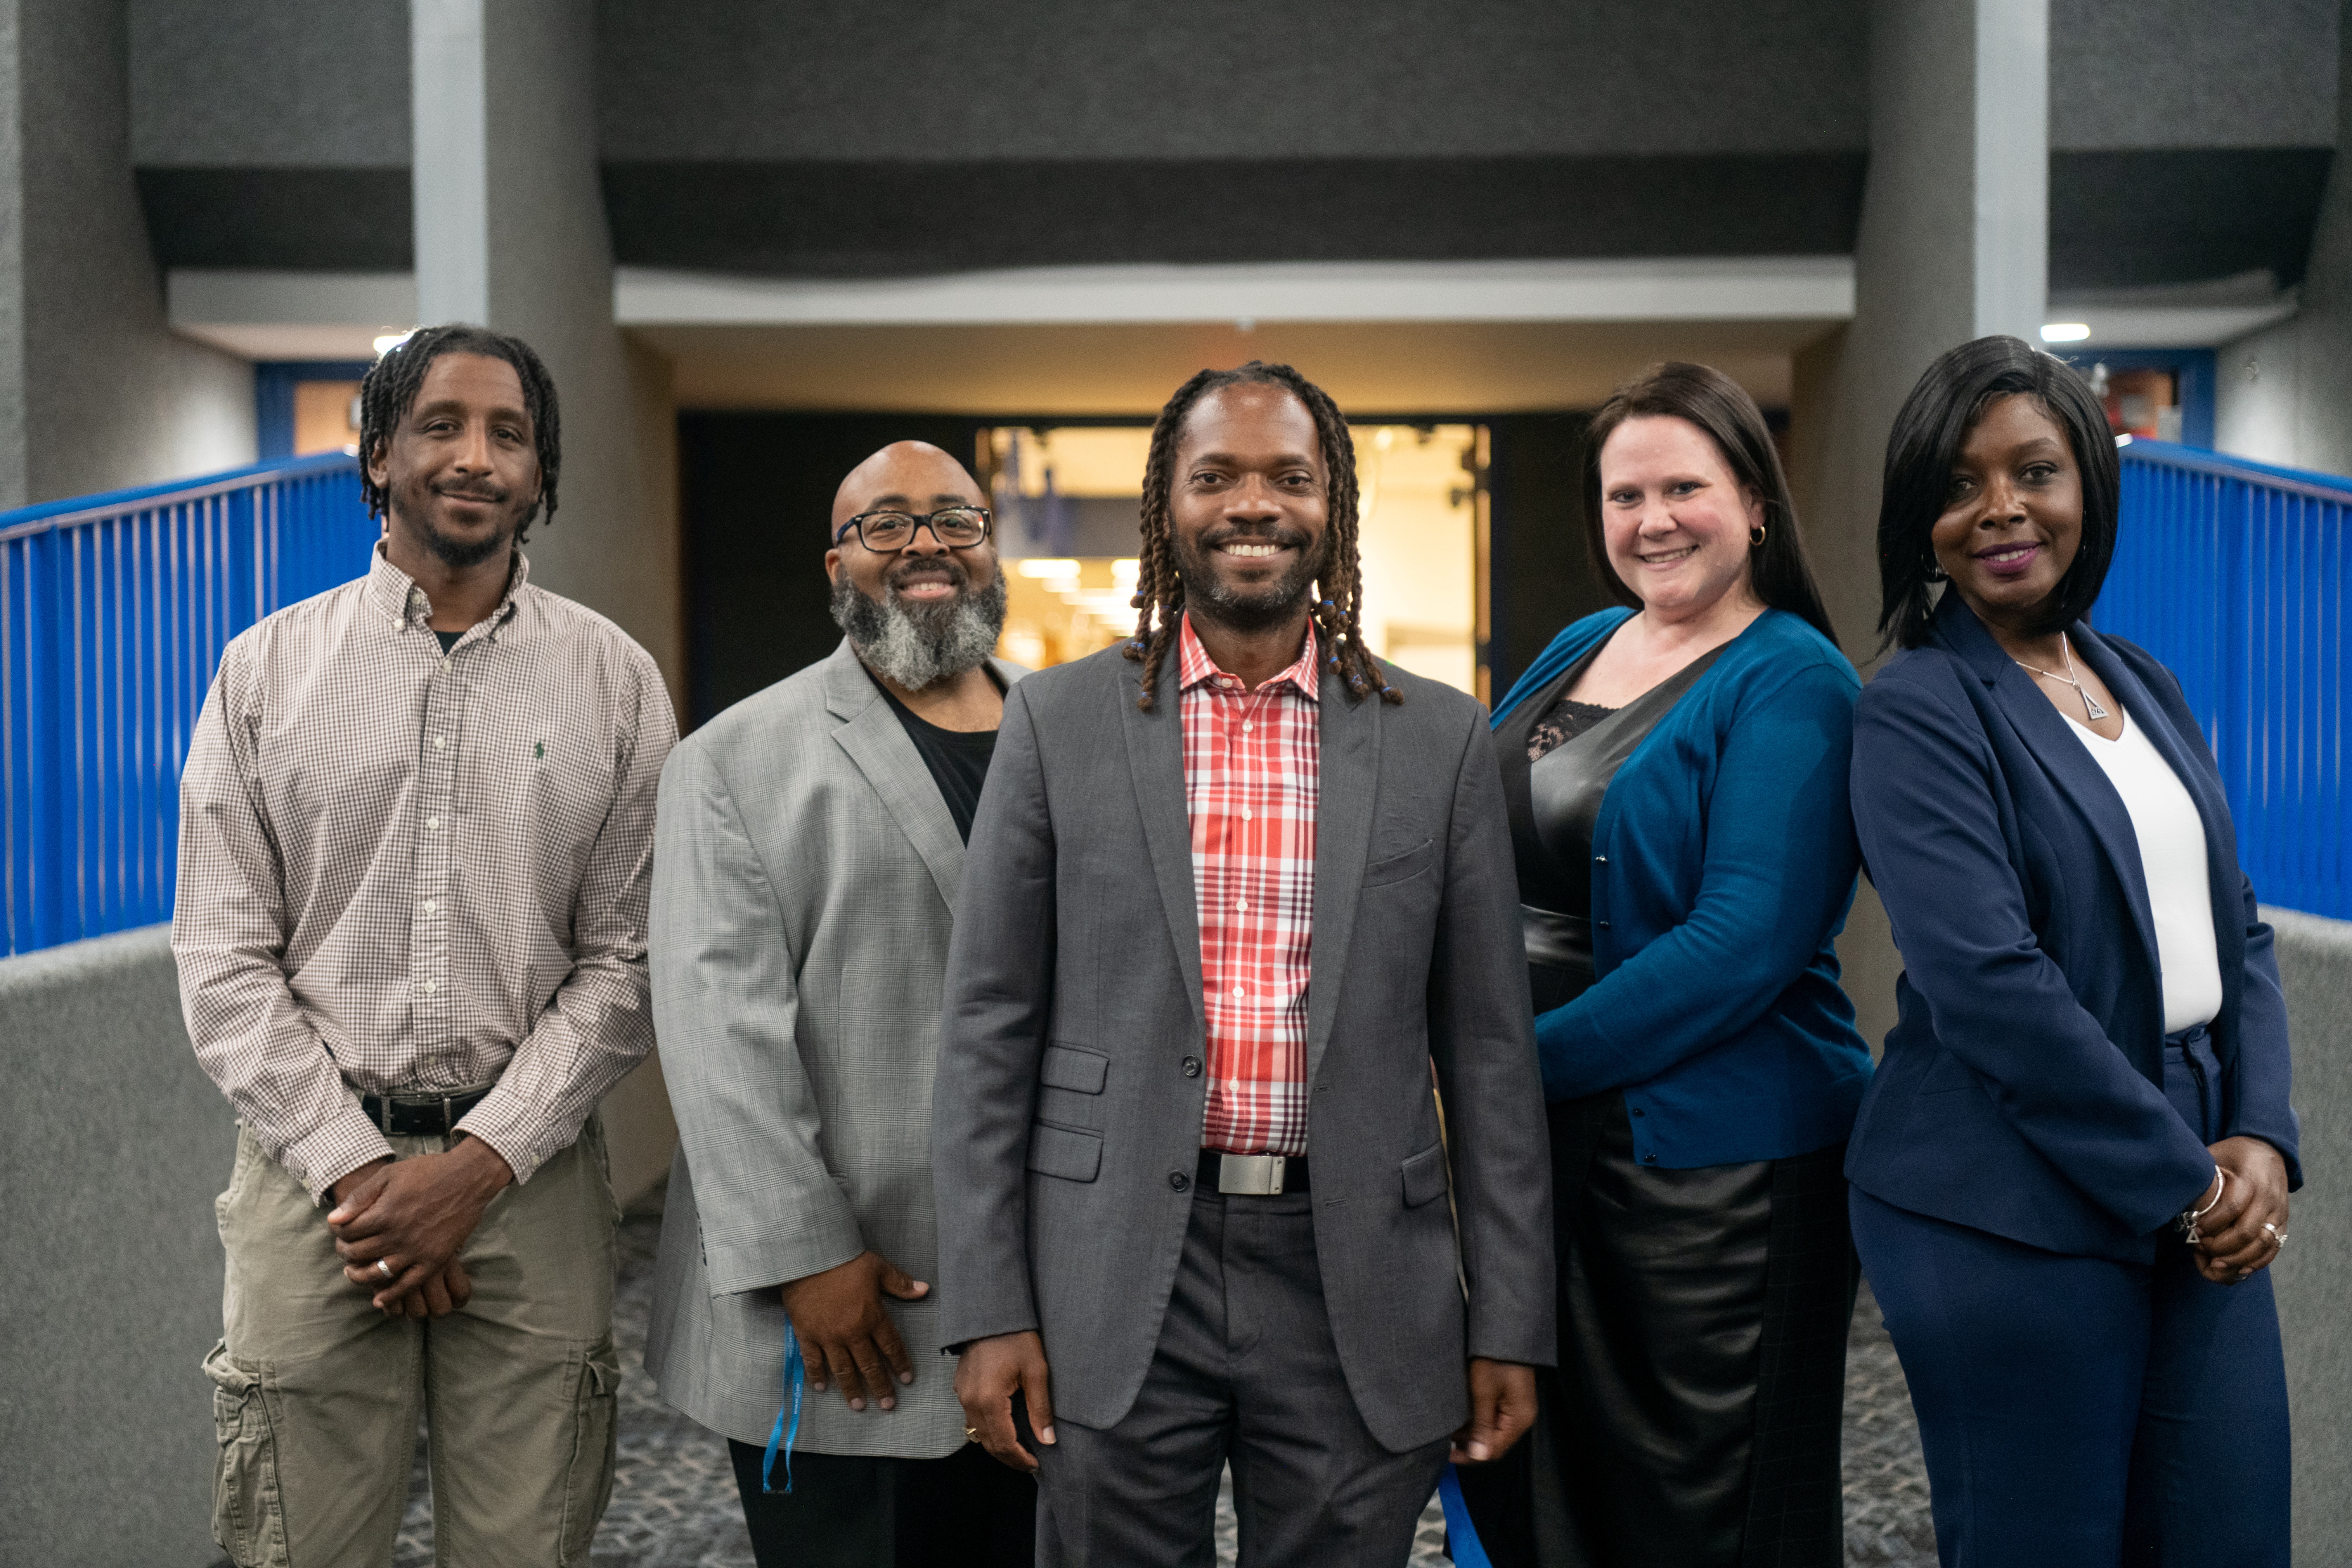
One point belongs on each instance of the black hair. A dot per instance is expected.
(1951, 397)
(1159, 593)
(1700, 394)
(392, 382)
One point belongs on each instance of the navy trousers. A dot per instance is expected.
(2080, 1411)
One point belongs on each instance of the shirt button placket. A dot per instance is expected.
(438, 762)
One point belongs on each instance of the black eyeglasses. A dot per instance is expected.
(956, 527)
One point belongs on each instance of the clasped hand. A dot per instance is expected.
(413, 1215)
(2240, 1230)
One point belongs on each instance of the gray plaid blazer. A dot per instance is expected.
(804, 882)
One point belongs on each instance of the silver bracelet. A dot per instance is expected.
(2188, 1220)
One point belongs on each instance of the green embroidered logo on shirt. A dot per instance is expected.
(539, 749)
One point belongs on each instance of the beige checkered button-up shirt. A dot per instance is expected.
(402, 870)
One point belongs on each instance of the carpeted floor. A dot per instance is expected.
(674, 1502)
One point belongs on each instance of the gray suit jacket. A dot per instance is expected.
(1065, 1119)
(804, 885)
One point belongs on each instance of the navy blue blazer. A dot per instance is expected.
(2020, 1092)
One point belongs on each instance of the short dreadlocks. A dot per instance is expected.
(1159, 593)
(392, 382)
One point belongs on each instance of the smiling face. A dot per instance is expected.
(2012, 517)
(460, 471)
(1676, 520)
(918, 478)
(1248, 506)
(923, 613)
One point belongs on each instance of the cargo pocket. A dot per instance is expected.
(247, 1523)
(588, 1484)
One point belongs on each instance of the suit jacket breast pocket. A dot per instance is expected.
(1401, 868)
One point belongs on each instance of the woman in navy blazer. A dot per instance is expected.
(1676, 772)
(2074, 1161)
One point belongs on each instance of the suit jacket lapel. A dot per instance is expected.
(1155, 760)
(870, 732)
(2061, 753)
(1350, 734)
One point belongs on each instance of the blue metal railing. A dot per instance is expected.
(113, 613)
(2234, 573)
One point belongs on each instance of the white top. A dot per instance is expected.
(2172, 857)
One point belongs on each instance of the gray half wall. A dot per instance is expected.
(2315, 1273)
(112, 1145)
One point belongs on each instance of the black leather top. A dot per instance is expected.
(1555, 802)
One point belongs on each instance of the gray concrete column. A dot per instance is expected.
(2285, 395)
(96, 394)
(510, 232)
(1954, 244)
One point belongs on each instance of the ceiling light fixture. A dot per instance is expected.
(2066, 331)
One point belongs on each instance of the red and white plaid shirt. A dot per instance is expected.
(1253, 778)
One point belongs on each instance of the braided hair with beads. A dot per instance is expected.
(390, 391)
(1338, 606)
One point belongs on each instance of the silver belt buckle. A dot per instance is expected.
(1250, 1175)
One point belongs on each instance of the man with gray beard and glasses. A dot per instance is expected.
(808, 846)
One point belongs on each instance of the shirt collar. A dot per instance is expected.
(395, 596)
(1194, 667)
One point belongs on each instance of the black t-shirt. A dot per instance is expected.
(447, 639)
(958, 759)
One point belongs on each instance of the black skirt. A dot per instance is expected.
(1696, 1415)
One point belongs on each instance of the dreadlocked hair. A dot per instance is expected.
(393, 380)
(1340, 592)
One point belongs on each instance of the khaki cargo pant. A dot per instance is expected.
(315, 1393)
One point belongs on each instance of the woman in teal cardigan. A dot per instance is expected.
(1677, 777)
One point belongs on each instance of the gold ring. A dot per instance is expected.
(971, 1434)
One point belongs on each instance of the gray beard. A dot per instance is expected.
(916, 646)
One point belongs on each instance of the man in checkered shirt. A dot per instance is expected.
(416, 831)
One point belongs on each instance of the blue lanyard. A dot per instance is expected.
(795, 1376)
(1461, 1536)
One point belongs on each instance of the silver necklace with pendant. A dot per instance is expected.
(2091, 707)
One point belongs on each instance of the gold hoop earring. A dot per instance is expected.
(1756, 536)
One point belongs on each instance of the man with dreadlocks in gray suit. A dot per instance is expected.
(808, 850)
(1233, 892)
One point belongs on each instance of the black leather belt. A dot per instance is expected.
(419, 1115)
(1250, 1175)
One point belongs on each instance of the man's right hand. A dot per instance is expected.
(445, 1292)
(846, 1333)
(988, 1374)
